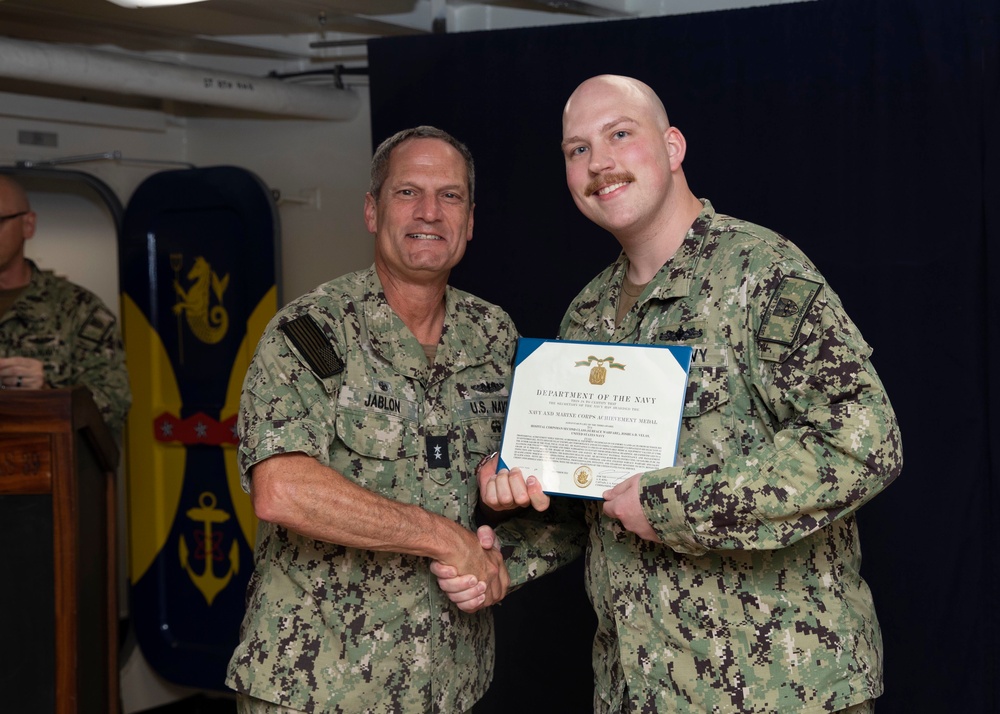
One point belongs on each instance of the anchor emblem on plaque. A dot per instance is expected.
(207, 544)
(598, 372)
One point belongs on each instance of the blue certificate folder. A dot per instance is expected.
(584, 416)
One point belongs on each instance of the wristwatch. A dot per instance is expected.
(482, 461)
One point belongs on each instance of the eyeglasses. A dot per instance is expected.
(12, 216)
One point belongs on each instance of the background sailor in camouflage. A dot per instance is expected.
(364, 412)
(54, 333)
(729, 582)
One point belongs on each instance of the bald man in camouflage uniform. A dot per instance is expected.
(729, 582)
(364, 412)
(54, 333)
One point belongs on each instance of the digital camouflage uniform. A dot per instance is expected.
(754, 601)
(74, 335)
(336, 629)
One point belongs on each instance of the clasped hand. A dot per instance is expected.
(21, 373)
(478, 580)
(508, 490)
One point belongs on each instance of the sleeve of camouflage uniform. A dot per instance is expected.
(534, 544)
(98, 361)
(832, 441)
(275, 406)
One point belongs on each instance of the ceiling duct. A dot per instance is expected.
(122, 74)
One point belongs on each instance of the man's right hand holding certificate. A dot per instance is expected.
(504, 490)
(508, 489)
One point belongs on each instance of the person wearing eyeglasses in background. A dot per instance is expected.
(54, 333)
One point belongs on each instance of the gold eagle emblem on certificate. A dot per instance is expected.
(583, 476)
(598, 372)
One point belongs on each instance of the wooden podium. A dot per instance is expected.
(58, 604)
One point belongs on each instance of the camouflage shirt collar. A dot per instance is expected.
(676, 276)
(394, 342)
(596, 312)
(462, 340)
(387, 334)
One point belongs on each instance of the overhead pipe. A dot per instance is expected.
(124, 74)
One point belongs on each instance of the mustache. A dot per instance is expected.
(599, 182)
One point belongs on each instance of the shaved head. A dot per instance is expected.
(625, 87)
(624, 166)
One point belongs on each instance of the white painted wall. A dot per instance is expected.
(76, 238)
(320, 169)
(75, 235)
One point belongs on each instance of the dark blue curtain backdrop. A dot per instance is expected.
(865, 131)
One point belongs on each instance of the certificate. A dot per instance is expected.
(584, 416)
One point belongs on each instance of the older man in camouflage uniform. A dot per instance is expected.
(364, 412)
(54, 333)
(729, 582)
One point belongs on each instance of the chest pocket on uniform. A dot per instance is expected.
(377, 435)
(708, 379)
(380, 432)
(377, 423)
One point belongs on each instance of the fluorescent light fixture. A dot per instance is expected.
(151, 3)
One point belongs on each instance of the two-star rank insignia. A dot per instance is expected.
(437, 452)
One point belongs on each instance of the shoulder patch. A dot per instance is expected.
(787, 310)
(99, 323)
(309, 339)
